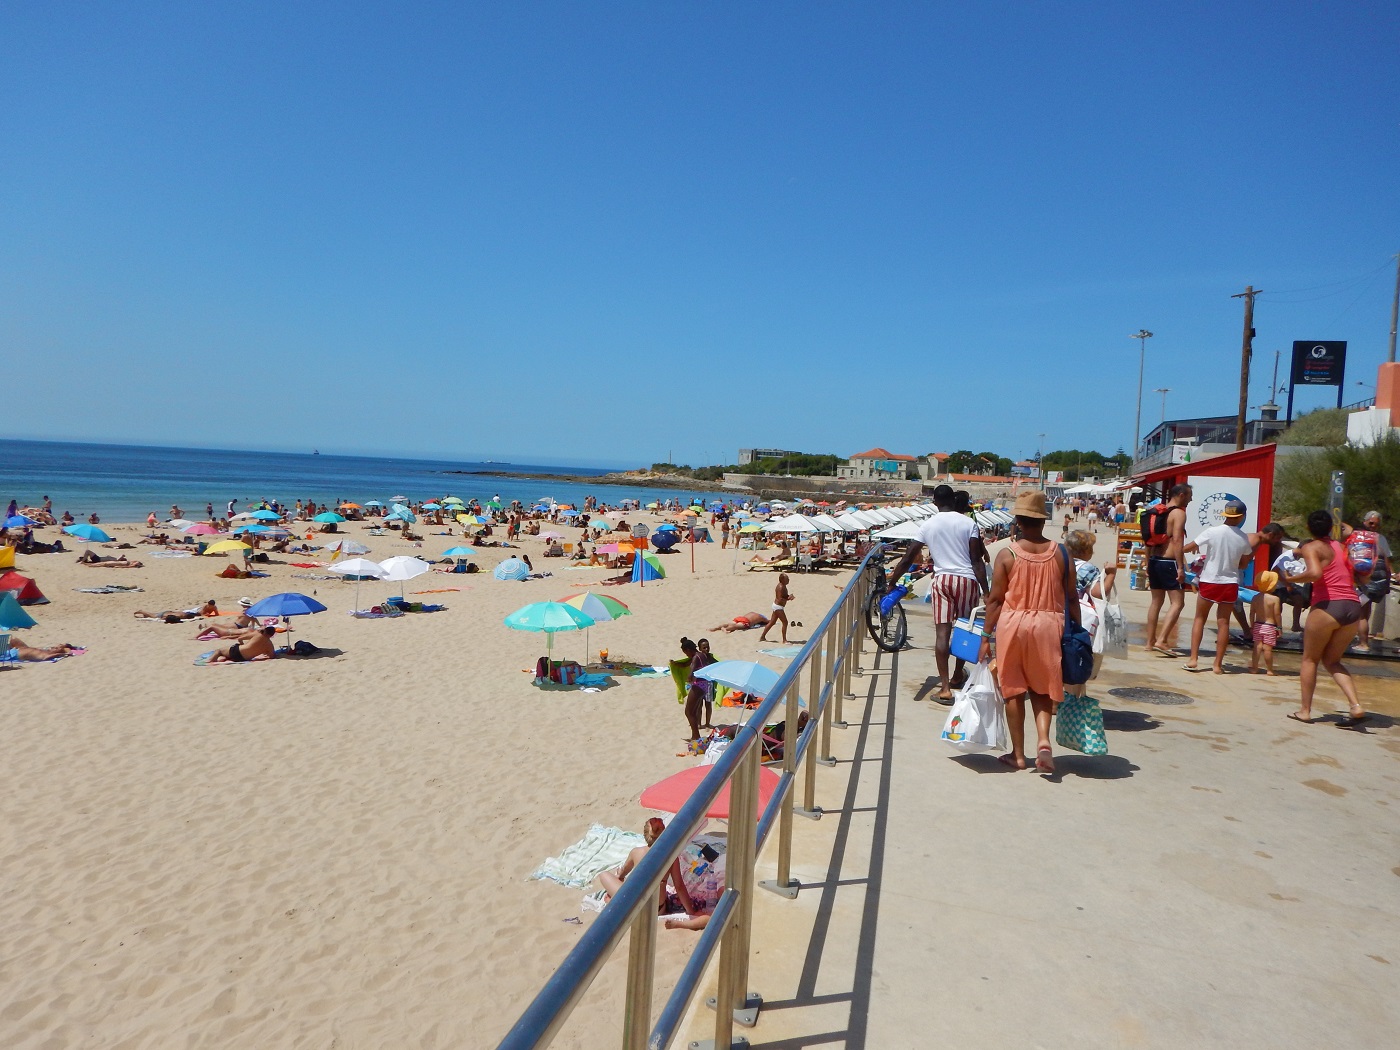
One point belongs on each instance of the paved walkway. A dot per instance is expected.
(1224, 878)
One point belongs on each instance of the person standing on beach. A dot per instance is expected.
(781, 596)
(959, 577)
(1368, 544)
(1227, 550)
(1032, 587)
(1164, 536)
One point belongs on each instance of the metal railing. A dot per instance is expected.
(830, 658)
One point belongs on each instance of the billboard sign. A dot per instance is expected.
(1319, 363)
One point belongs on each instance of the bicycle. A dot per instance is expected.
(884, 614)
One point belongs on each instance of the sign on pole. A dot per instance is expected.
(1317, 362)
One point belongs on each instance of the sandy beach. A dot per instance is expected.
(330, 851)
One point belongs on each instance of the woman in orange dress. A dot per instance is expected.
(1026, 612)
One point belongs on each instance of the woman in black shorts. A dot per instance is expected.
(1333, 619)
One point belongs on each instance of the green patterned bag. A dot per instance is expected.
(1079, 725)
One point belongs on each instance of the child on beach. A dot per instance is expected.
(1266, 617)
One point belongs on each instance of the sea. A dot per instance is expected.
(125, 483)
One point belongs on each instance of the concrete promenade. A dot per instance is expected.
(1225, 877)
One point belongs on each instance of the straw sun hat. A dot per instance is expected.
(1030, 505)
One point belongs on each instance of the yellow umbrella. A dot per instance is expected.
(223, 546)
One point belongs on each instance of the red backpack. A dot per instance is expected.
(1153, 523)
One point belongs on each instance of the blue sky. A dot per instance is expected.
(601, 232)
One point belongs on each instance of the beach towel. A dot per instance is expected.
(172, 554)
(306, 576)
(783, 652)
(306, 564)
(111, 588)
(578, 865)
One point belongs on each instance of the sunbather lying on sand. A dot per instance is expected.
(90, 559)
(209, 608)
(696, 878)
(742, 622)
(254, 644)
(37, 653)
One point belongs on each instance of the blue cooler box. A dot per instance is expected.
(967, 637)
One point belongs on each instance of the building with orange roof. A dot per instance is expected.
(877, 464)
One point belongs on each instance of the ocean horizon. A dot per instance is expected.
(124, 483)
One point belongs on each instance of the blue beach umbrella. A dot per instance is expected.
(265, 515)
(87, 533)
(328, 518)
(458, 552)
(743, 675)
(432, 506)
(666, 527)
(289, 603)
(401, 514)
(19, 521)
(373, 503)
(252, 528)
(511, 569)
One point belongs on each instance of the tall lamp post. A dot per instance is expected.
(1040, 462)
(1142, 336)
(1164, 391)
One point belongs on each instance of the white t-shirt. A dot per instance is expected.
(946, 535)
(1224, 546)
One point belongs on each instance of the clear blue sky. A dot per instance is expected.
(597, 232)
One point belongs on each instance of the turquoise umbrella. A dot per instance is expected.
(458, 552)
(87, 533)
(328, 518)
(548, 617)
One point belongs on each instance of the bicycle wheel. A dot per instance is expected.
(890, 631)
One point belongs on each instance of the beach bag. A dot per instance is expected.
(977, 721)
(1076, 646)
(1079, 725)
(1111, 639)
(1363, 550)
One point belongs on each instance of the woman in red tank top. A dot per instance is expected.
(1333, 619)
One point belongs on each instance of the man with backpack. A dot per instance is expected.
(1164, 536)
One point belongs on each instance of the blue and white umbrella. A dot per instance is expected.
(743, 675)
(511, 569)
(87, 533)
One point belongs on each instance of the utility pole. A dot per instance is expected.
(1164, 391)
(1246, 351)
(1394, 309)
(1142, 337)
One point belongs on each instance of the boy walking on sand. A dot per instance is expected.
(1266, 616)
(781, 596)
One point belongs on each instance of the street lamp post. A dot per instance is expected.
(1142, 336)
(1164, 391)
(1040, 461)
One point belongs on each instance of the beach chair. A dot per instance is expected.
(804, 563)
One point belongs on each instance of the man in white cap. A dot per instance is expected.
(1227, 548)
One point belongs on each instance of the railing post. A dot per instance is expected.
(838, 684)
(641, 966)
(861, 595)
(732, 1001)
(784, 885)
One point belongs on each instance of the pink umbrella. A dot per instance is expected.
(606, 548)
(671, 794)
(200, 529)
(547, 536)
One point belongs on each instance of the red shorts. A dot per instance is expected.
(1221, 593)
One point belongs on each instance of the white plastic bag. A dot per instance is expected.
(977, 721)
(1111, 639)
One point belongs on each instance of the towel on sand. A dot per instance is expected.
(578, 865)
(111, 588)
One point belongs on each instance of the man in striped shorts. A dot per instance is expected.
(959, 577)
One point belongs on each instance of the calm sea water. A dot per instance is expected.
(127, 482)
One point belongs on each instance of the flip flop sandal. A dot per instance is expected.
(1306, 721)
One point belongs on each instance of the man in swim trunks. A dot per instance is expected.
(742, 622)
(1227, 549)
(255, 644)
(1166, 569)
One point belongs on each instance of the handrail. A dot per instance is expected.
(633, 907)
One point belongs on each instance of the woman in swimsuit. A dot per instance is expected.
(1333, 619)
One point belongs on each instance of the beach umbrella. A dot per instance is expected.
(225, 546)
(361, 569)
(570, 513)
(257, 530)
(666, 527)
(286, 605)
(328, 518)
(87, 533)
(432, 506)
(12, 616)
(18, 521)
(671, 794)
(494, 504)
(549, 618)
(269, 515)
(456, 501)
(404, 568)
(342, 547)
(458, 552)
(511, 569)
(743, 675)
(602, 607)
(547, 536)
(351, 506)
(398, 499)
(471, 519)
(200, 528)
(373, 503)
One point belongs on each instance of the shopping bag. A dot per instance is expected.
(977, 721)
(1111, 639)
(1079, 725)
